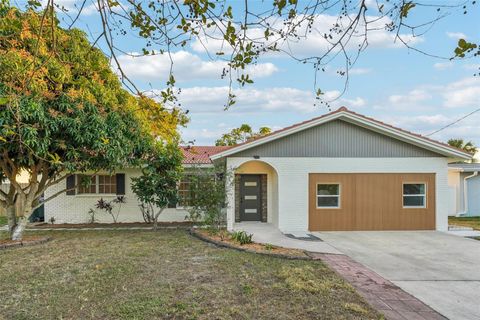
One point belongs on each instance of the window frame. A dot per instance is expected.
(339, 196)
(97, 185)
(425, 193)
(178, 205)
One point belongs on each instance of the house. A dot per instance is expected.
(464, 181)
(340, 171)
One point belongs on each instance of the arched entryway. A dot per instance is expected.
(256, 192)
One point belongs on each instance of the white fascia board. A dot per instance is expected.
(383, 129)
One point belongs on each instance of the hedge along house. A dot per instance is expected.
(340, 171)
(74, 206)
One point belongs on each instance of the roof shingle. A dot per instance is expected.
(200, 154)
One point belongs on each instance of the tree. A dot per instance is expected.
(240, 32)
(208, 194)
(156, 188)
(241, 134)
(461, 144)
(63, 110)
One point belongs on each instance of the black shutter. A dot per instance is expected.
(172, 204)
(71, 185)
(120, 183)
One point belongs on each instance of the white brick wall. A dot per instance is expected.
(293, 183)
(74, 209)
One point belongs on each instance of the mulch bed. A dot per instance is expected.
(110, 225)
(259, 248)
(26, 241)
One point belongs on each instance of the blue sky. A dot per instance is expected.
(389, 82)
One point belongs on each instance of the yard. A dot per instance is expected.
(166, 274)
(473, 222)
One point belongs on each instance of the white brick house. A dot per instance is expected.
(340, 171)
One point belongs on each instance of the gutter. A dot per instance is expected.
(465, 193)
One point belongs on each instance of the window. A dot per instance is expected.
(97, 184)
(414, 195)
(86, 184)
(107, 184)
(328, 195)
(185, 194)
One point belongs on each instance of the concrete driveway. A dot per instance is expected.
(440, 269)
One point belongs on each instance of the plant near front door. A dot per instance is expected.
(208, 196)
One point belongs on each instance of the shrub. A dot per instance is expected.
(269, 247)
(242, 237)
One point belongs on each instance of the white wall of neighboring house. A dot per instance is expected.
(455, 189)
(74, 208)
(293, 183)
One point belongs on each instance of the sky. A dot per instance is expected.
(389, 82)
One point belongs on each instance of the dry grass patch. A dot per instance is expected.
(164, 275)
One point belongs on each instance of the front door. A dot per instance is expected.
(250, 202)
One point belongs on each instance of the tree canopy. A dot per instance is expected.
(241, 134)
(467, 146)
(156, 188)
(63, 110)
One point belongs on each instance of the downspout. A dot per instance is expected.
(465, 193)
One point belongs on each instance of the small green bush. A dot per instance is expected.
(242, 237)
(269, 247)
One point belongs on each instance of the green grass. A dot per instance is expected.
(165, 275)
(473, 222)
(3, 221)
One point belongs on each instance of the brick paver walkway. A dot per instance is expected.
(380, 293)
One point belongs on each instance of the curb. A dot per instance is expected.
(202, 237)
(24, 243)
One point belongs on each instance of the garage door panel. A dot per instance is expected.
(372, 201)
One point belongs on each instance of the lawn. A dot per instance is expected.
(3, 221)
(473, 222)
(165, 275)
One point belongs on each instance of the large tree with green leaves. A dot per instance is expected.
(63, 110)
(241, 134)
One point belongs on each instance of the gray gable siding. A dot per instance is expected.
(339, 139)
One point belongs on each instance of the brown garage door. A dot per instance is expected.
(371, 201)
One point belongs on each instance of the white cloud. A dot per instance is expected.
(456, 35)
(315, 43)
(462, 93)
(411, 97)
(427, 124)
(472, 66)
(251, 100)
(359, 71)
(186, 66)
(443, 65)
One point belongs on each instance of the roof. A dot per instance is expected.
(464, 167)
(344, 114)
(200, 154)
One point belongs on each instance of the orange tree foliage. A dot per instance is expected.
(63, 110)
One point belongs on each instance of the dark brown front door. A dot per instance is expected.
(250, 198)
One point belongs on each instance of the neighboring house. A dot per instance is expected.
(464, 181)
(340, 171)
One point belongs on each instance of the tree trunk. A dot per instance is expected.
(19, 229)
(24, 209)
(11, 217)
(155, 219)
